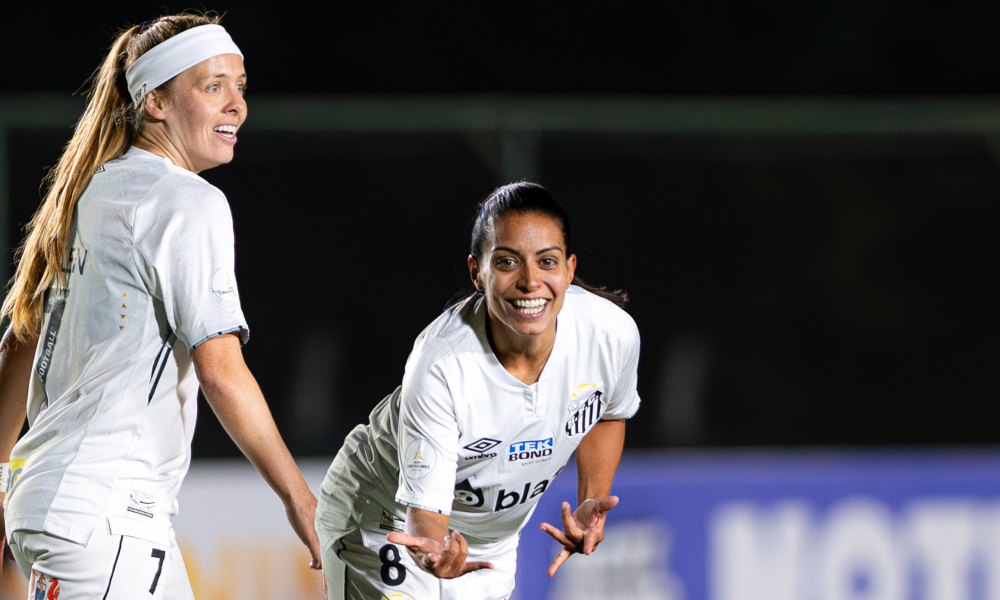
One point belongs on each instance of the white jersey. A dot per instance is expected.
(113, 395)
(471, 441)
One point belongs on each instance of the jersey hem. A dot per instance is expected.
(412, 501)
(72, 533)
(150, 533)
(242, 328)
(632, 407)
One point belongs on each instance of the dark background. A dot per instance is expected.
(848, 47)
(790, 289)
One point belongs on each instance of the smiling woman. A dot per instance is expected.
(497, 395)
(193, 119)
(123, 303)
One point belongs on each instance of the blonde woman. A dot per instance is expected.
(123, 303)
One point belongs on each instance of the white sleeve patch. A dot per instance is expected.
(419, 459)
(224, 285)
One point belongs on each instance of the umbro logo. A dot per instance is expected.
(482, 445)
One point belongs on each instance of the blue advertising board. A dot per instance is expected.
(793, 525)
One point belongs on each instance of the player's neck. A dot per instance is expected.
(522, 356)
(154, 139)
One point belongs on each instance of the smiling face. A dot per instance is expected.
(202, 111)
(523, 274)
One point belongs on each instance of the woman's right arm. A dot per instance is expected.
(428, 439)
(237, 401)
(15, 372)
(444, 559)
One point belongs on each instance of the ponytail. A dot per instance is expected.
(101, 135)
(108, 128)
(618, 297)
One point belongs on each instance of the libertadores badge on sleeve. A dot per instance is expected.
(224, 285)
(419, 459)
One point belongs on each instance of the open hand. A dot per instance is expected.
(582, 530)
(444, 561)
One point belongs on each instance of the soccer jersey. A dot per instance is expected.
(467, 439)
(112, 399)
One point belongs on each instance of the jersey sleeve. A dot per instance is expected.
(184, 251)
(625, 402)
(427, 439)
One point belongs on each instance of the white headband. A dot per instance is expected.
(174, 56)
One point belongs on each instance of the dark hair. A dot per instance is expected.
(526, 197)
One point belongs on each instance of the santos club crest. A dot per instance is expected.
(584, 413)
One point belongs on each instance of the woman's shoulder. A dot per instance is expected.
(455, 331)
(599, 314)
(175, 184)
(175, 196)
(153, 178)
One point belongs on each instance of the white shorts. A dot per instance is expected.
(364, 565)
(109, 567)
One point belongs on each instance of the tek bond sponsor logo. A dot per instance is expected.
(530, 449)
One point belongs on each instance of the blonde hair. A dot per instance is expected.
(108, 128)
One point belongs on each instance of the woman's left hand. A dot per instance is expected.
(582, 530)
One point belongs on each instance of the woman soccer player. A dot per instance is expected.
(498, 393)
(123, 302)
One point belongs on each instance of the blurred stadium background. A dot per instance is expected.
(802, 202)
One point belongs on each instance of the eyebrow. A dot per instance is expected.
(223, 75)
(542, 251)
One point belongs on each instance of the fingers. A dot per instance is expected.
(301, 518)
(591, 540)
(570, 525)
(315, 562)
(557, 534)
(558, 561)
(607, 503)
(476, 566)
(314, 551)
(450, 562)
(417, 544)
(463, 544)
(397, 537)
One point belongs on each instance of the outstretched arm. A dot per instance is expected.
(15, 372)
(444, 559)
(234, 395)
(597, 459)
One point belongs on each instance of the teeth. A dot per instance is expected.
(530, 303)
(228, 129)
(530, 307)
